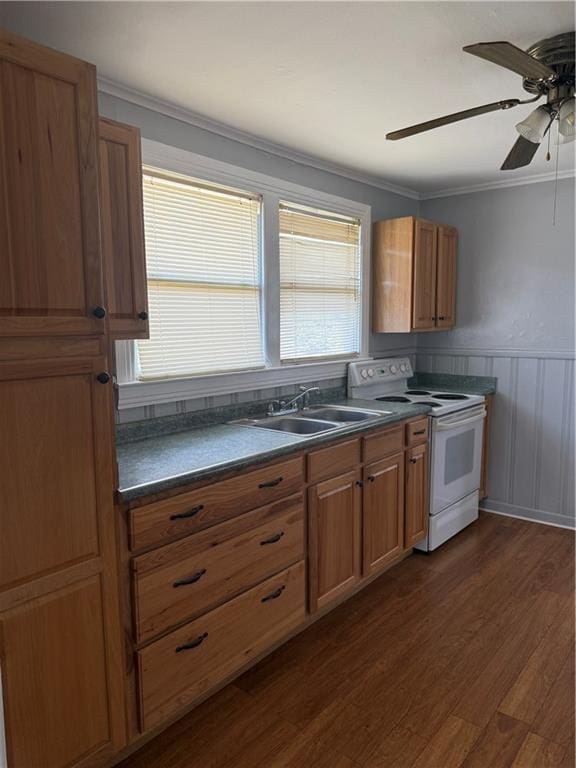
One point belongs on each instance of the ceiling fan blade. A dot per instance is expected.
(520, 155)
(510, 57)
(453, 118)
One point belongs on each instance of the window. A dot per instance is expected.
(253, 282)
(204, 278)
(320, 284)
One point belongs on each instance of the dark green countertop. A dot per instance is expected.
(163, 463)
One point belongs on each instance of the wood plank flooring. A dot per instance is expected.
(459, 659)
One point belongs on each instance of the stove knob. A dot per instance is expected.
(403, 367)
(370, 372)
(393, 369)
(364, 373)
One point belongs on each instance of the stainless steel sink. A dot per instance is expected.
(293, 424)
(340, 413)
(311, 421)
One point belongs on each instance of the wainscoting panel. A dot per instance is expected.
(531, 469)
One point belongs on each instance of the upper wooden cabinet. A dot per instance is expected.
(51, 281)
(123, 230)
(414, 275)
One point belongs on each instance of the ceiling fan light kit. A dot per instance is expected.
(534, 126)
(566, 118)
(547, 70)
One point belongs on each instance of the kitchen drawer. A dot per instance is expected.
(417, 432)
(179, 668)
(332, 461)
(383, 443)
(188, 577)
(194, 510)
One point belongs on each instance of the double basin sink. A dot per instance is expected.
(311, 421)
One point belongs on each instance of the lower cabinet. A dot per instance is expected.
(334, 538)
(182, 666)
(383, 512)
(54, 677)
(416, 519)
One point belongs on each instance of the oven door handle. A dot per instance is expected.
(441, 426)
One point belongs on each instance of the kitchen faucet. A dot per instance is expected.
(299, 401)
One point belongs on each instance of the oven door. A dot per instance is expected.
(456, 456)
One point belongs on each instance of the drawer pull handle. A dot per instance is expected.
(271, 483)
(191, 579)
(192, 644)
(420, 432)
(190, 513)
(273, 595)
(273, 539)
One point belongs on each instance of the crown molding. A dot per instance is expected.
(518, 181)
(141, 99)
(221, 129)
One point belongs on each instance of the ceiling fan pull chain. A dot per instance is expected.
(548, 151)
(556, 175)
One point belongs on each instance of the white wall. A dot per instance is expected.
(515, 320)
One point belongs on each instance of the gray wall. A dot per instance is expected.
(515, 321)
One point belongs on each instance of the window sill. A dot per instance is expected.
(140, 393)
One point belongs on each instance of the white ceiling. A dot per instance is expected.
(322, 78)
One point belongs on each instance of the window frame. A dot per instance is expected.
(133, 392)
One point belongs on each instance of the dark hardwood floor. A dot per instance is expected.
(464, 657)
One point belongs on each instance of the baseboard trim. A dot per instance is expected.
(526, 513)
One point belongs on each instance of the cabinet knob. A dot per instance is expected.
(441, 317)
(413, 461)
(143, 315)
(103, 377)
(360, 484)
(99, 312)
(371, 478)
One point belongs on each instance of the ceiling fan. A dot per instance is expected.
(547, 70)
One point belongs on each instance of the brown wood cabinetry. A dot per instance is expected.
(178, 668)
(61, 646)
(49, 225)
(334, 538)
(60, 643)
(188, 577)
(416, 509)
(383, 512)
(123, 230)
(414, 275)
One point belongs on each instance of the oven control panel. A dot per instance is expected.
(382, 371)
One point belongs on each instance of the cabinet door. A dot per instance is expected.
(334, 538)
(123, 230)
(53, 655)
(49, 223)
(60, 636)
(446, 277)
(416, 524)
(424, 285)
(383, 512)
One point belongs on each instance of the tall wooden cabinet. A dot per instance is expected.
(414, 275)
(61, 644)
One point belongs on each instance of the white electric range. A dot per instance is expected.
(457, 421)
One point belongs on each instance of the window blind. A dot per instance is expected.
(320, 283)
(203, 262)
